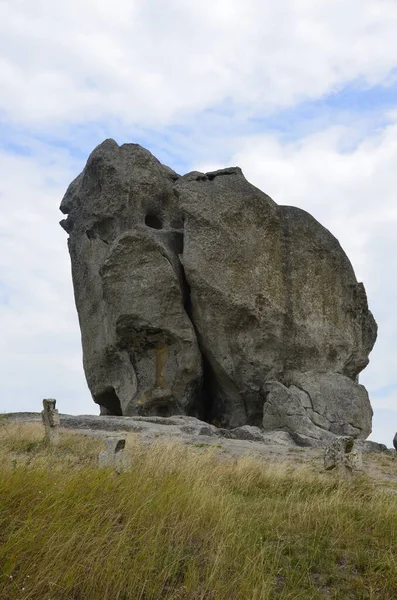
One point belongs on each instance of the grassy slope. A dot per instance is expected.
(185, 523)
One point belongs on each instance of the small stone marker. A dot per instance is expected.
(343, 455)
(51, 421)
(113, 456)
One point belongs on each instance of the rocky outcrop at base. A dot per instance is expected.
(245, 439)
(199, 295)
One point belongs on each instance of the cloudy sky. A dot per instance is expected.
(301, 94)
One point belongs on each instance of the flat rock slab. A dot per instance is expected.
(379, 464)
(193, 431)
(276, 446)
(177, 426)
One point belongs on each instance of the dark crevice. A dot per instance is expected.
(206, 391)
(153, 222)
(187, 298)
(93, 236)
(173, 240)
(109, 401)
(163, 411)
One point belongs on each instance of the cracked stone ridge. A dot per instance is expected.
(198, 295)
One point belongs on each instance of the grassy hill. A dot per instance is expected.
(187, 523)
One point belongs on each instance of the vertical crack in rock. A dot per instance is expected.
(199, 295)
(205, 391)
(288, 325)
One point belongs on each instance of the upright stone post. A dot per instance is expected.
(343, 456)
(113, 455)
(51, 421)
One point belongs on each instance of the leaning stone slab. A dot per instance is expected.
(196, 427)
(224, 433)
(370, 446)
(343, 455)
(247, 432)
(278, 438)
(50, 417)
(113, 455)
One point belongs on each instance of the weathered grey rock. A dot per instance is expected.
(370, 446)
(224, 433)
(395, 441)
(247, 432)
(343, 455)
(316, 406)
(197, 293)
(280, 438)
(50, 418)
(125, 233)
(272, 291)
(113, 456)
(287, 409)
(199, 429)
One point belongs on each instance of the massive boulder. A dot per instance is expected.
(125, 234)
(199, 295)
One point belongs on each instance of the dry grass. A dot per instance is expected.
(185, 524)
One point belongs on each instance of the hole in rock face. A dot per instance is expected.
(163, 411)
(109, 400)
(153, 222)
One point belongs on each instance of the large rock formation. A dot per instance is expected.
(199, 295)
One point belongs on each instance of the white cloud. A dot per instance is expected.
(150, 61)
(384, 425)
(39, 343)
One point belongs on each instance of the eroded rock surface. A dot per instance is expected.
(125, 234)
(343, 455)
(317, 406)
(199, 295)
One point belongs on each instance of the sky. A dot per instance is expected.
(301, 94)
